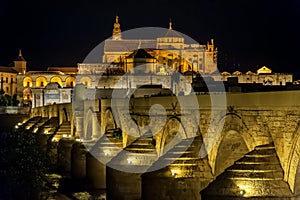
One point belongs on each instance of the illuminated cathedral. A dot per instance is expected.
(166, 53)
(160, 58)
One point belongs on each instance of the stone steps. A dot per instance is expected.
(186, 159)
(64, 129)
(257, 174)
(142, 145)
(31, 122)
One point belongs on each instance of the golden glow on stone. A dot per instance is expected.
(66, 136)
(175, 172)
(106, 153)
(244, 189)
(130, 160)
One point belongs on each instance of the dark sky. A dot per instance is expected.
(248, 33)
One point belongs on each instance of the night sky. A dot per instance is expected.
(248, 33)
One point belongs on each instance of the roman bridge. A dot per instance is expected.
(222, 134)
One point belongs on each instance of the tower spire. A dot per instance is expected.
(116, 35)
(170, 24)
(20, 63)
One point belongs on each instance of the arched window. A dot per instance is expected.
(27, 82)
(41, 81)
(70, 82)
(27, 94)
(56, 79)
(86, 81)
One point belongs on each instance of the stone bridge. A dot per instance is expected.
(226, 133)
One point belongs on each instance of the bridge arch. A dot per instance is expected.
(89, 126)
(292, 175)
(233, 143)
(172, 133)
(109, 121)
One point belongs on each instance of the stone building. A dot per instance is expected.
(37, 81)
(53, 93)
(263, 76)
(8, 80)
(8, 75)
(142, 61)
(169, 49)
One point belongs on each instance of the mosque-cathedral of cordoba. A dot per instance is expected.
(157, 58)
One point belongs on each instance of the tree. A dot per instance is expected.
(23, 166)
(6, 100)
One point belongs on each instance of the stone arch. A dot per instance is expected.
(27, 94)
(87, 81)
(292, 175)
(56, 79)
(27, 82)
(233, 143)
(41, 81)
(110, 122)
(88, 125)
(172, 133)
(70, 81)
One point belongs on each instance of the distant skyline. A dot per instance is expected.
(248, 33)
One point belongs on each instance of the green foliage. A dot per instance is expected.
(6, 100)
(118, 134)
(24, 165)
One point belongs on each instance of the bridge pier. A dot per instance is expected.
(78, 161)
(180, 173)
(134, 160)
(64, 156)
(98, 156)
(95, 172)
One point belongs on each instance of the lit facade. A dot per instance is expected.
(263, 76)
(169, 50)
(32, 83)
(8, 80)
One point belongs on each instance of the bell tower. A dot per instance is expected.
(20, 64)
(116, 34)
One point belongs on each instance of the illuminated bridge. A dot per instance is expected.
(248, 148)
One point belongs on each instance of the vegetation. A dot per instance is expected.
(6, 100)
(23, 165)
(118, 134)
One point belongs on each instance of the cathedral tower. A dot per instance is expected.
(20, 64)
(116, 35)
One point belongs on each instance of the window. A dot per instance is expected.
(6, 79)
(7, 89)
(11, 80)
(72, 84)
(28, 84)
(42, 84)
